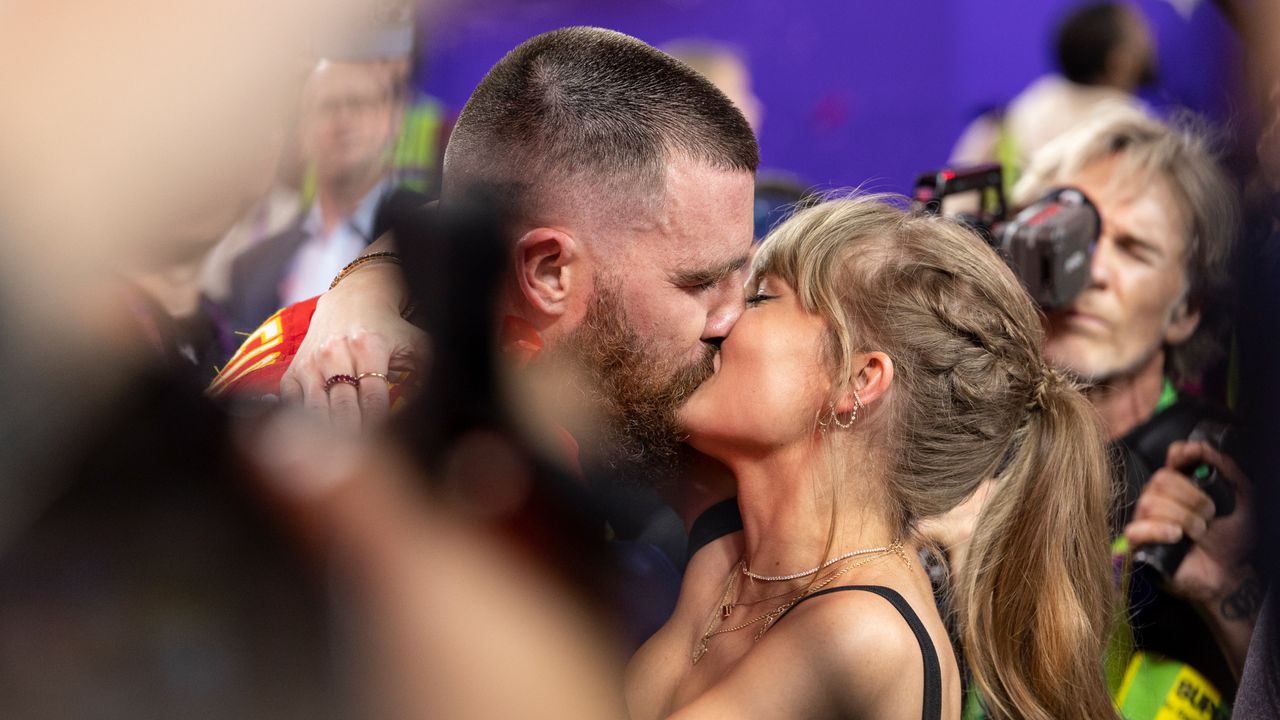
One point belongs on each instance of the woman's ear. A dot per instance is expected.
(545, 270)
(871, 378)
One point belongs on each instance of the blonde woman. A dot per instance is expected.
(886, 365)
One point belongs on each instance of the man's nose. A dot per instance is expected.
(1100, 262)
(724, 315)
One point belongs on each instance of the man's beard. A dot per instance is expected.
(633, 393)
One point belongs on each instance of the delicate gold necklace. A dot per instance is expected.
(795, 576)
(725, 607)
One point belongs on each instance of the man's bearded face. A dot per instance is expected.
(633, 389)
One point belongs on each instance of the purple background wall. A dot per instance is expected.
(867, 92)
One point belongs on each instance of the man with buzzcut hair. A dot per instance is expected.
(629, 178)
(629, 175)
(585, 104)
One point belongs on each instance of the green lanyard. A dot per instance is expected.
(1168, 396)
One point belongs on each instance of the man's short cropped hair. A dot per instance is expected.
(1179, 153)
(585, 110)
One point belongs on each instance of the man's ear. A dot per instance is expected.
(1183, 322)
(545, 269)
(872, 376)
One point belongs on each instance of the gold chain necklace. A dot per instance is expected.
(731, 589)
(806, 573)
(725, 607)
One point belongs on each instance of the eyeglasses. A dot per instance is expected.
(351, 104)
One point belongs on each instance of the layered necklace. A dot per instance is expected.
(729, 599)
(840, 558)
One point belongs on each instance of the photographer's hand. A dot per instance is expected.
(952, 529)
(1215, 575)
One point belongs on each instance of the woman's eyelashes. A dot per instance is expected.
(756, 298)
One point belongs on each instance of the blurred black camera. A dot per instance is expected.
(1049, 244)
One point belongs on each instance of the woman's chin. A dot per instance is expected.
(706, 437)
(703, 421)
(703, 444)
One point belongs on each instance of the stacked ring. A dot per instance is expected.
(340, 378)
(378, 375)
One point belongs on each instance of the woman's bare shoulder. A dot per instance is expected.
(861, 646)
(847, 654)
(659, 665)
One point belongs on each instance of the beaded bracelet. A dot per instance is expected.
(363, 259)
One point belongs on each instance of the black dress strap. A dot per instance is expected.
(932, 669)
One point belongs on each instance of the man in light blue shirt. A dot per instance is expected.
(351, 115)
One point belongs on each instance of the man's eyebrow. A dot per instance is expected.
(704, 276)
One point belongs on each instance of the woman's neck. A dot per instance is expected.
(786, 512)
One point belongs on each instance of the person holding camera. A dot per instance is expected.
(1152, 314)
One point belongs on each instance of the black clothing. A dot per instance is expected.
(1259, 696)
(715, 522)
(932, 707)
(191, 347)
(1163, 623)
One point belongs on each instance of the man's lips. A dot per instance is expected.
(1084, 320)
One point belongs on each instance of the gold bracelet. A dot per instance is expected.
(363, 259)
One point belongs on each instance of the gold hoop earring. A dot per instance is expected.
(853, 414)
(833, 417)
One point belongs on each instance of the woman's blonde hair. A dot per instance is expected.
(971, 399)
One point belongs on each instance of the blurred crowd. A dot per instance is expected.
(325, 399)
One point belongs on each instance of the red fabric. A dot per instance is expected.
(256, 369)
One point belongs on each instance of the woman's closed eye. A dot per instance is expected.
(757, 298)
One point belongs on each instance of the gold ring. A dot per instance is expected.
(378, 375)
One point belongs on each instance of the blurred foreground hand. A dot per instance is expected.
(447, 621)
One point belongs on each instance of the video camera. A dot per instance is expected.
(1049, 244)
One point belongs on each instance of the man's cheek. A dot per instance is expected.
(682, 328)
